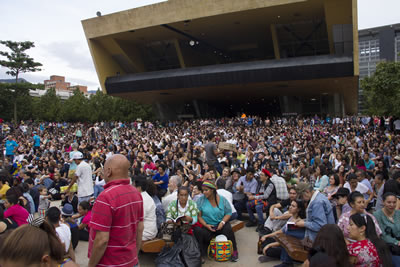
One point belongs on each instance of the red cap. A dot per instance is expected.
(266, 172)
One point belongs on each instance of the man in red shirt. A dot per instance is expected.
(116, 226)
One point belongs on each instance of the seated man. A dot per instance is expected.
(264, 198)
(174, 183)
(149, 209)
(161, 180)
(246, 185)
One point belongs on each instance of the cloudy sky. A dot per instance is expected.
(55, 27)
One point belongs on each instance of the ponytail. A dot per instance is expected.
(362, 219)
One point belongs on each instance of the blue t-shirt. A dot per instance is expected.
(10, 146)
(214, 215)
(73, 165)
(164, 178)
(36, 139)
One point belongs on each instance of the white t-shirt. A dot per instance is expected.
(228, 195)
(64, 233)
(363, 189)
(149, 217)
(85, 182)
(396, 124)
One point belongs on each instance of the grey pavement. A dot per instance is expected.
(247, 245)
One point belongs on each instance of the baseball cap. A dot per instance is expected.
(77, 155)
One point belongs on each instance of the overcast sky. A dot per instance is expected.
(55, 27)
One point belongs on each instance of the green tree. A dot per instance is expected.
(100, 107)
(17, 61)
(75, 108)
(382, 90)
(48, 107)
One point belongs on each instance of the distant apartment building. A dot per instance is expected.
(377, 45)
(59, 83)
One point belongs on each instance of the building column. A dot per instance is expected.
(336, 104)
(275, 42)
(196, 108)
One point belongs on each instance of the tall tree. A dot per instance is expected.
(17, 61)
(382, 90)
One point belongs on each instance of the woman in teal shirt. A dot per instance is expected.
(389, 221)
(215, 212)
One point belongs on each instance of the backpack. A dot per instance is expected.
(220, 248)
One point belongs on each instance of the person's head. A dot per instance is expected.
(360, 175)
(249, 173)
(366, 157)
(13, 197)
(297, 208)
(30, 183)
(389, 202)
(174, 183)
(211, 136)
(32, 246)
(334, 180)
(209, 189)
(221, 183)
(161, 169)
(264, 175)
(183, 195)
(292, 193)
(116, 167)
(342, 196)
(308, 192)
(357, 201)
(353, 180)
(225, 172)
(235, 175)
(331, 240)
(361, 226)
(43, 190)
(84, 207)
(53, 215)
(149, 160)
(379, 179)
(140, 182)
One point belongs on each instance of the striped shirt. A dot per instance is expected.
(118, 210)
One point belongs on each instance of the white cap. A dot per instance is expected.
(77, 155)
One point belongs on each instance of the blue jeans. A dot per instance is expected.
(81, 199)
(396, 261)
(299, 234)
(260, 212)
(233, 216)
(97, 190)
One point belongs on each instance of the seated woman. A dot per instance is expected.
(330, 240)
(215, 212)
(357, 204)
(85, 215)
(389, 221)
(6, 224)
(272, 249)
(14, 208)
(332, 188)
(183, 210)
(368, 249)
(34, 245)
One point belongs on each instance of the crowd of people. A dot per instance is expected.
(333, 183)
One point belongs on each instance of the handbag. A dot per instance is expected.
(220, 248)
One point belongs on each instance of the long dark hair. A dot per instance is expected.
(330, 239)
(361, 219)
(301, 207)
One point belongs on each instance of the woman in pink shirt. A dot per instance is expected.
(14, 208)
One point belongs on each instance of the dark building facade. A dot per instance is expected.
(203, 58)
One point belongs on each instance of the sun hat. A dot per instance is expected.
(67, 210)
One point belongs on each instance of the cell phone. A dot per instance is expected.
(214, 227)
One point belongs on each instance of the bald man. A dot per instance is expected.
(116, 227)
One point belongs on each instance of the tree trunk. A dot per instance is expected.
(15, 100)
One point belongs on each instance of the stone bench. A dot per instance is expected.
(155, 245)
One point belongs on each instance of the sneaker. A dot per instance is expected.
(259, 227)
(251, 224)
(235, 256)
(264, 258)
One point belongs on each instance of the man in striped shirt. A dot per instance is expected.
(116, 226)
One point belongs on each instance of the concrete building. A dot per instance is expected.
(219, 58)
(376, 45)
(59, 83)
